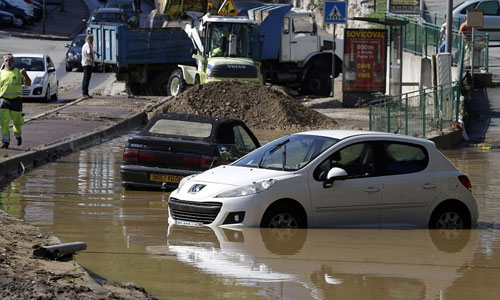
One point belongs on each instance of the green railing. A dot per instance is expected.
(417, 113)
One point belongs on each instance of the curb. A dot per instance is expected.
(19, 164)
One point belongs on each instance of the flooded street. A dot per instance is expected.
(80, 198)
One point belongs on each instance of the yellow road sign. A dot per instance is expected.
(228, 8)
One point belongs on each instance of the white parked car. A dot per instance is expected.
(42, 72)
(491, 15)
(330, 178)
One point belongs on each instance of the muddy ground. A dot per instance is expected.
(24, 276)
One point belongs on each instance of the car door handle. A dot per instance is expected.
(372, 189)
(428, 186)
(293, 42)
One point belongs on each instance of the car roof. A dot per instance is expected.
(344, 134)
(28, 55)
(222, 128)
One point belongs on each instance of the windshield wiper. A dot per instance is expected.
(274, 149)
(279, 146)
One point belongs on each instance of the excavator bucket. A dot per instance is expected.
(175, 8)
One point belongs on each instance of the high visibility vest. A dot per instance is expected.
(10, 83)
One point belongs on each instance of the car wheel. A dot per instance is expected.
(47, 94)
(68, 68)
(283, 241)
(56, 94)
(282, 216)
(449, 217)
(176, 83)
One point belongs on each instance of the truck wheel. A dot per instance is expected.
(135, 88)
(317, 83)
(176, 83)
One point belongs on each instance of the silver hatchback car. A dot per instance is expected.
(491, 15)
(330, 178)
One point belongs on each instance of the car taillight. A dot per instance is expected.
(205, 161)
(146, 155)
(465, 181)
(130, 155)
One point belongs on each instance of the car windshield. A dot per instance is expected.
(106, 17)
(181, 128)
(29, 63)
(79, 41)
(290, 153)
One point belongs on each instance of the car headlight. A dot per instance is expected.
(184, 180)
(249, 189)
(38, 80)
(71, 55)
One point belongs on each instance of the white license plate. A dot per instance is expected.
(188, 223)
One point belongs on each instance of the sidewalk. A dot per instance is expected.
(72, 127)
(59, 25)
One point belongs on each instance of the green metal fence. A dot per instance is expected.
(417, 113)
(432, 109)
(422, 36)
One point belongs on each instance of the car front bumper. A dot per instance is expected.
(34, 91)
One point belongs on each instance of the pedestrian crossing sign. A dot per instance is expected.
(228, 9)
(335, 12)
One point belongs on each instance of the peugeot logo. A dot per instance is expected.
(196, 188)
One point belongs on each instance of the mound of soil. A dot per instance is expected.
(260, 107)
(23, 276)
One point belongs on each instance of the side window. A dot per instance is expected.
(404, 158)
(357, 160)
(490, 8)
(50, 64)
(243, 140)
(286, 25)
(470, 6)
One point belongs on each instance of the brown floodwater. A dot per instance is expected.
(79, 198)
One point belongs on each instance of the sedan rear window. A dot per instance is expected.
(181, 128)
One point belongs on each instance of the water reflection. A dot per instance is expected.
(80, 198)
(328, 264)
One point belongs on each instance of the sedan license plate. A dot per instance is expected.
(165, 178)
(187, 223)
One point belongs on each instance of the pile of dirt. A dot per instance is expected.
(23, 276)
(260, 107)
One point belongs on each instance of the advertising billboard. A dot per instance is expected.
(364, 64)
(404, 6)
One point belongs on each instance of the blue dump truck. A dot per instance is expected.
(275, 44)
(144, 58)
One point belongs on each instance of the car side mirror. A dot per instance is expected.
(67, 45)
(334, 174)
(50, 70)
